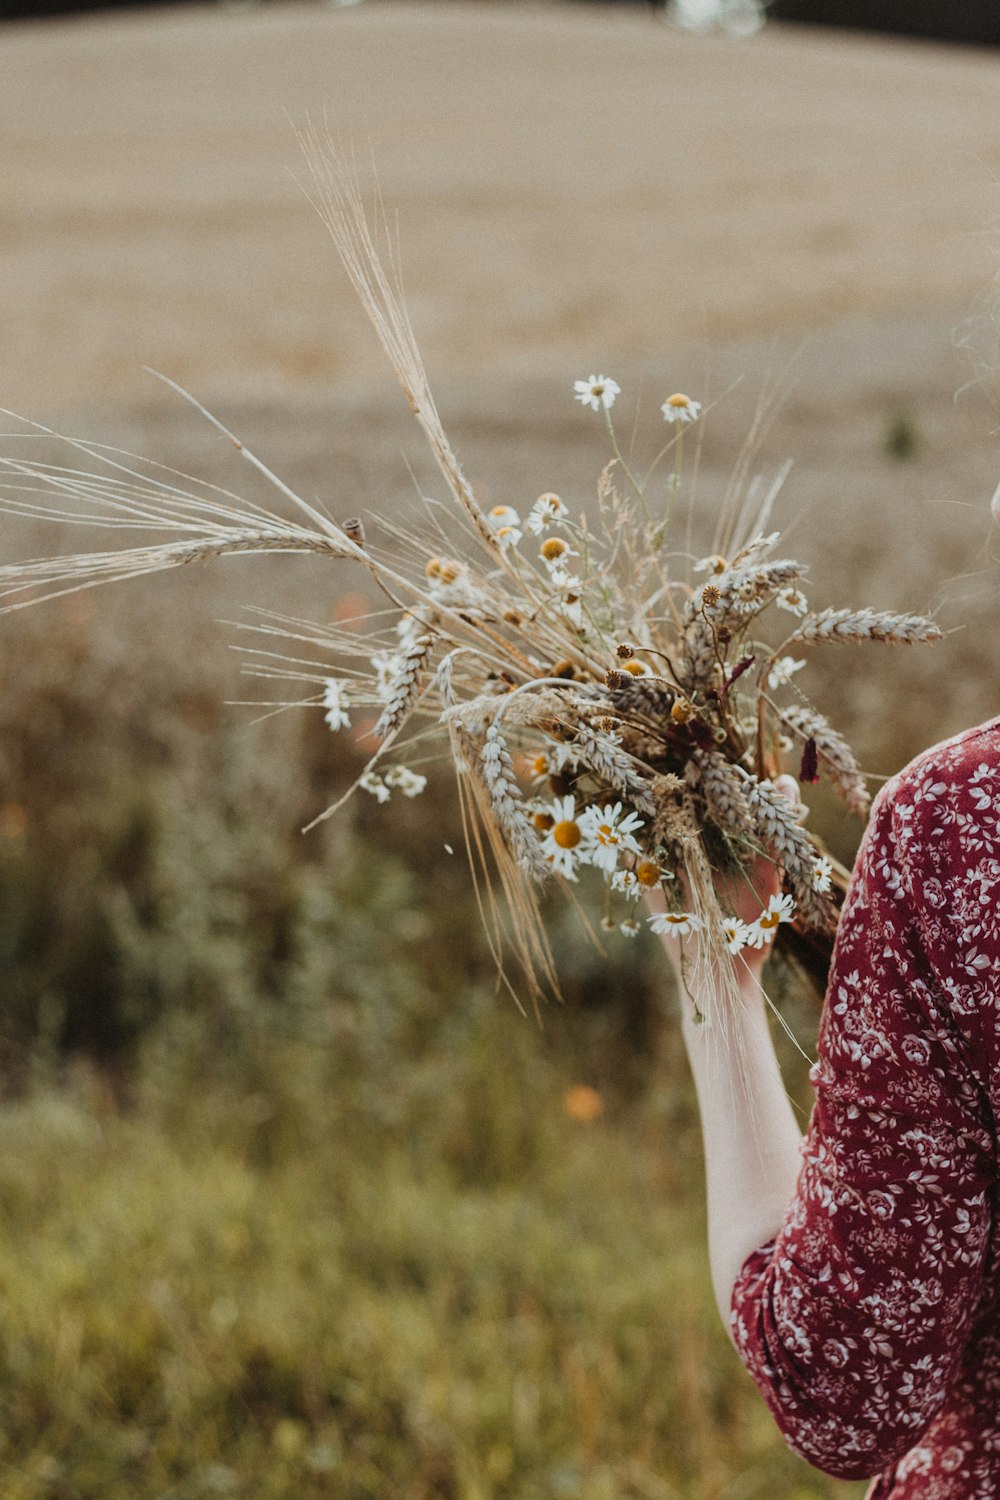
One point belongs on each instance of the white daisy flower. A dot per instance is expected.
(374, 784)
(677, 923)
(626, 881)
(680, 408)
(508, 536)
(550, 761)
(572, 610)
(630, 928)
(564, 580)
(792, 599)
(546, 511)
(714, 564)
(563, 862)
(783, 671)
(608, 832)
(554, 551)
(821, 875)
(734, 934)
(608, 923)
(563, 843)
(636, 667)
(410, 783)
(779, 909)
(503, 515)
(598, 391)
(336, 703)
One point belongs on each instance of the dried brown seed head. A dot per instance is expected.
(624, 651)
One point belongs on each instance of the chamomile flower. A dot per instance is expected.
(336, 703)
(503, 515)
(508, 536)
(629, 928)
(676, 923)
(778, 909)
(546, 511)
(598, 391)
(554, 551)
(734, 933)
(714, 564)
(609, 832)
(792, 599)
(649, 874)
(563, 579)
(375, 786)
(680, 408)
(627, 882)
(783, 671)
(563, 843)
(821, 874)
(635, 667)
(550, 761)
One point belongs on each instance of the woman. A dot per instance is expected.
(858, 1270)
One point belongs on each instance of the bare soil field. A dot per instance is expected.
(576, 190)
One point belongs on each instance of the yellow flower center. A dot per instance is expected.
(543, 822)
(606, 834)
(552, 548)
(681, 711)
(566, 834)
(678, 400)
(635, 667)
(647, 872)
(540, 767)
(769, 919)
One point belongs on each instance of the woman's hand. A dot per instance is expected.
(745, 897)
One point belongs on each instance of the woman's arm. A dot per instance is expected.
(751, 1140)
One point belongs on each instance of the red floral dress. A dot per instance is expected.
(870, 1324)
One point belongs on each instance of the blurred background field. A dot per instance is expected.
(293, 1203)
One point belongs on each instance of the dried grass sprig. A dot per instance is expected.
(851, 626)
(404, 687)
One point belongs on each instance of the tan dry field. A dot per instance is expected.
(577, 189)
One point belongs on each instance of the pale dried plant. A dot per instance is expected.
(600, 707)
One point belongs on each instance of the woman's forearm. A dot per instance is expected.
(751, 1138)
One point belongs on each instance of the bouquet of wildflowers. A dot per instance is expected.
(613, 706)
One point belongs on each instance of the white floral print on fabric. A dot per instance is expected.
(870, 1323)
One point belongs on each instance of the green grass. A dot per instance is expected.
(190, 1310)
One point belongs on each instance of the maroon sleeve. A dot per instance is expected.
(853, 1321)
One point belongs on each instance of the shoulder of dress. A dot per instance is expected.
(969, 758)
